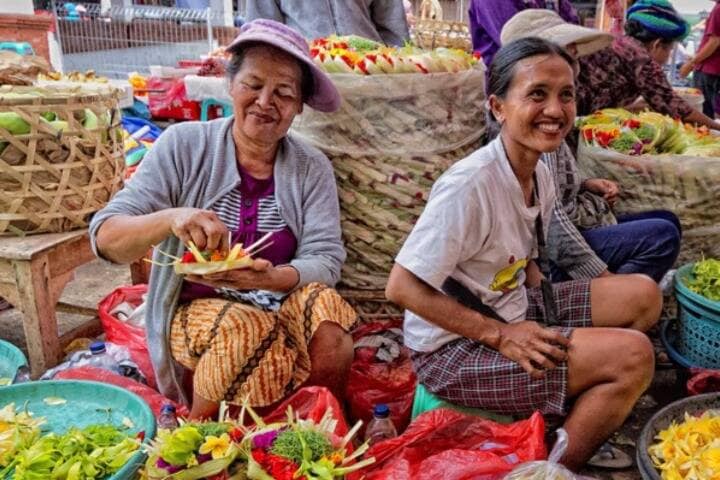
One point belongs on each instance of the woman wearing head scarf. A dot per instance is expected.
(632, 66)
(256, 333)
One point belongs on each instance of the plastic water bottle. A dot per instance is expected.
(167, 419)
(380, 427)
(99, 358)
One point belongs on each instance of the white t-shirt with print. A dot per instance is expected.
(477, 229)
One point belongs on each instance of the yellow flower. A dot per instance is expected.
(216, 446)
(710, 460)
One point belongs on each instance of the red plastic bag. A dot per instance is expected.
(703, 381)
(121, 333)
(311, 403)
(453, 446)
(167, 99)
(153, 398)
(371, 381)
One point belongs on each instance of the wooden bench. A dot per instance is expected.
(33, 273)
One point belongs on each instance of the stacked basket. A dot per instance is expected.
(431, 31)
(393, 136)
(61, 157)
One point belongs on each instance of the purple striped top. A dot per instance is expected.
(259, 214)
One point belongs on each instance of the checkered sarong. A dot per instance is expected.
(467, 373)
(238, 351)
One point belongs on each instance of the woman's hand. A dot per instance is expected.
(261, 275)
(607, 188)
(253, 277)
(203, 227)
(533, 346)
(687, 68)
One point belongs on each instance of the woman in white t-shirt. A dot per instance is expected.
(477, 239)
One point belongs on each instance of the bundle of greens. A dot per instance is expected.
(91, 453)
(705, 279)
(18, 430)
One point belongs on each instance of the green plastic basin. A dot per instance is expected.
(87, 403)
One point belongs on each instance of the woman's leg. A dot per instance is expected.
(608, 370)
(625, 301)
(643, 245)
(331, 354)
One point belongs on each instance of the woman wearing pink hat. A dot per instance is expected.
(261, 332)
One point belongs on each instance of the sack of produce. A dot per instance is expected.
(549, 469)
(61, 157)
(407, 115)
(659, 163)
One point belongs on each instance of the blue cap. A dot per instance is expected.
(381, 410)
(167, 408)
(97, 347)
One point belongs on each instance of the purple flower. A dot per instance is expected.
(166, 466)
(203, 457)
(265, 440)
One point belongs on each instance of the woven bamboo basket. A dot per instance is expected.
(55, 174)
(431, 31)
(687, 186)
(393, 136)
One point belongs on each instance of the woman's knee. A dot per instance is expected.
(646, 303)
(636, 365)
(331, 347)
(610, 356)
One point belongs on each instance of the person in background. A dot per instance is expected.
(476, 318)
(487, 18)
(632, 66)
(706, 64)
(255, 333)
(380, 20)
(646, 243)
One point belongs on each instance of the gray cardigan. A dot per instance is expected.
(193, 165)
(380, 20)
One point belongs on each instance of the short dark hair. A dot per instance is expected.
(502, 69)
(307, 82)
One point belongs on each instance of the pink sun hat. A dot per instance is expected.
(326, 97)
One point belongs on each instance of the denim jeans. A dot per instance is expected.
(647, 242)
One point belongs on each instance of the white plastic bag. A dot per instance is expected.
(548, 469)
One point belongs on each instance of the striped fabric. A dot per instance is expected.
(238, 351)
(467, 373)
(228, 209)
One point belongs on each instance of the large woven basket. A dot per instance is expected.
(393, 136)
(687, 186)
(55, 174)
(431, 31)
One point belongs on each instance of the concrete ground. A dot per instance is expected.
(97, 279)
(93, 281)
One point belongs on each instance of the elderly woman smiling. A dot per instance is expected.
(260, 332)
